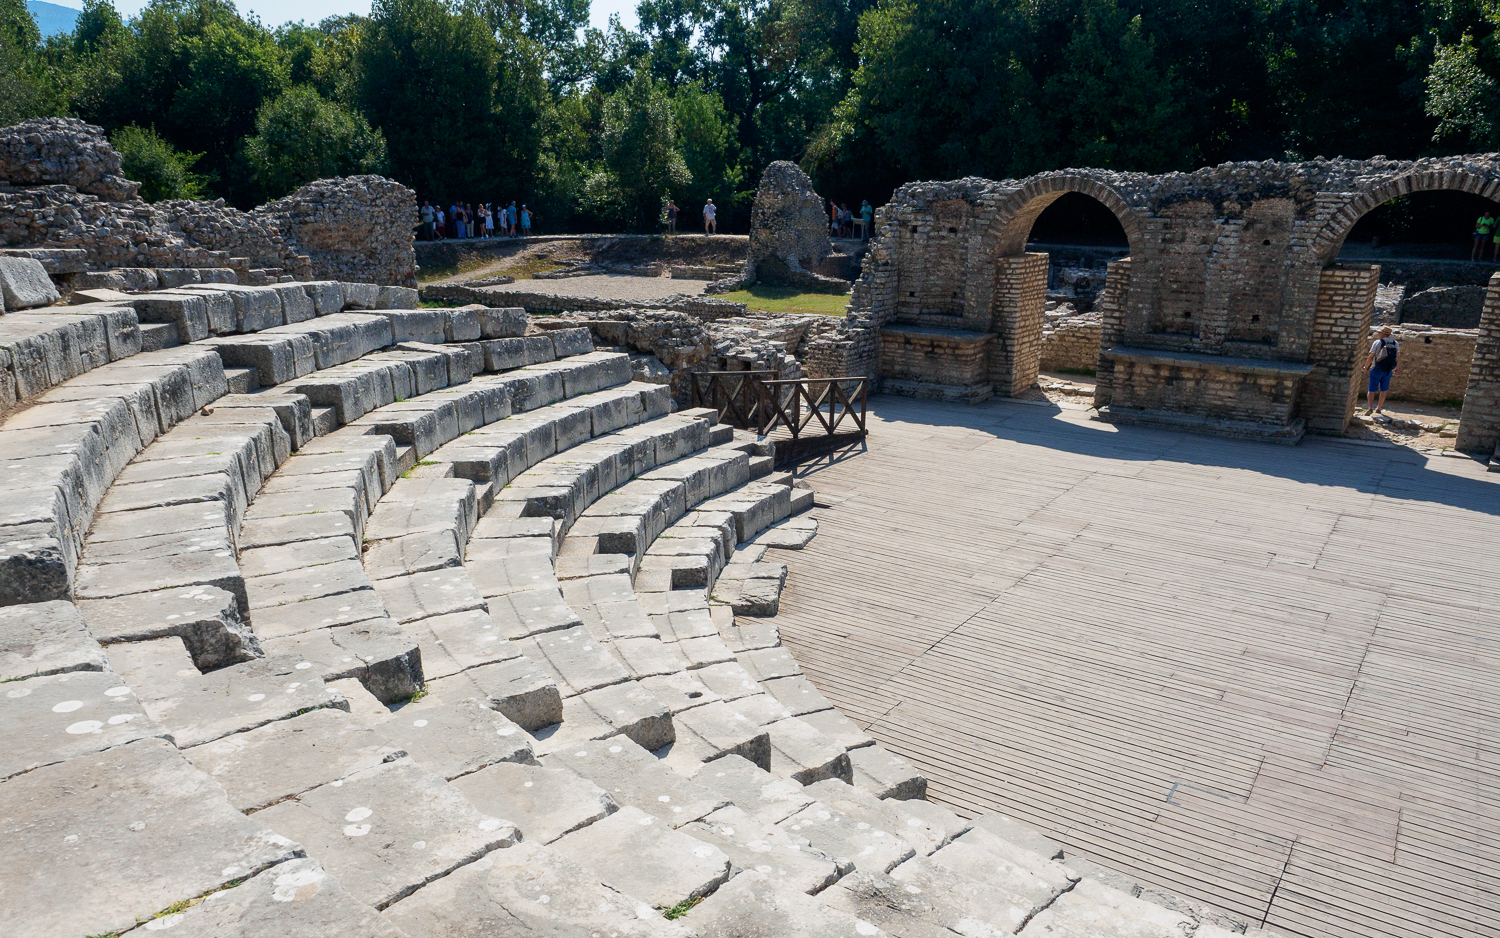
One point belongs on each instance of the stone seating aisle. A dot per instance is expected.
(410, 649)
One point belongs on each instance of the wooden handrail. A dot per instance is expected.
(750, 401)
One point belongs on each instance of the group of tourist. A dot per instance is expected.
(462, 220)
(841, 221)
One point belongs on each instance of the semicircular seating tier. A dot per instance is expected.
(326, 618)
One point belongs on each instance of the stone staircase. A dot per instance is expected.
(327, 617)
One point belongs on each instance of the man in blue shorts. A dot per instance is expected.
(1382, 367)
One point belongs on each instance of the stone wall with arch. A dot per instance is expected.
(1233, 314)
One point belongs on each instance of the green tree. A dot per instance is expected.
(641, 161)
(1111, 103)
(28, 87)
(710, 152)
(162, 171)
(302, 136)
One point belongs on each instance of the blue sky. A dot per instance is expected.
(275, 12)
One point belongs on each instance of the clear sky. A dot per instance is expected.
(276, 12)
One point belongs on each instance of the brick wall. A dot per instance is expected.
(1111, 308)
(1206, 390)
(1346, 303)
(1479, 427)
(1019, 305)
(1434, 363)
(932, 359)
(1072, 344)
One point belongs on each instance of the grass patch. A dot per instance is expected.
(418, 694)
(680, 909)
(789, 300)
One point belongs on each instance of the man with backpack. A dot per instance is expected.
(1484, 233)
(1382, 367)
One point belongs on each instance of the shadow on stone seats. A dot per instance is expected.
(1393, 471)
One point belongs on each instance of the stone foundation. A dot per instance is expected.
(1236, 397)
(1071, 344)
(942, 364)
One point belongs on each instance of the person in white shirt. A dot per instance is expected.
(710, 219)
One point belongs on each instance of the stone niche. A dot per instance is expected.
(1244, 398)
(933, 363)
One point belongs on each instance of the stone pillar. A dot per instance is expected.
(1111, 309)
(1019, 304)
(1346, 302)
(1479, 426)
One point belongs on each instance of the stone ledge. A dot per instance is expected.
(1284, 434)
(1209, 362)
(931, 391)
(937, 334)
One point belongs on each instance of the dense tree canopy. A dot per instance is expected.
(489, 100)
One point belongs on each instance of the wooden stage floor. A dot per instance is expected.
(1261, 677)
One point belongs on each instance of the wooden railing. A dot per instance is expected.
(811, 411)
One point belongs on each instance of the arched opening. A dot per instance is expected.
(1433, 291)
(1081, 235)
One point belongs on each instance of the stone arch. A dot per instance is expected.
(1013, 223)
(1331, 238)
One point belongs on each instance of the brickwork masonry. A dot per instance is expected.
(1479, 427)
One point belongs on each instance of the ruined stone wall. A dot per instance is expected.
(788, 235)
(706, 308)
(60, 188)
(1479, 426)
(1072, 344)
(1111, 310)
(1434, 363)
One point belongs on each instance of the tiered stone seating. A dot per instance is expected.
(404, 622)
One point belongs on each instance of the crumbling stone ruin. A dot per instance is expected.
(60, 188)
(1231, 315)
(788, 235)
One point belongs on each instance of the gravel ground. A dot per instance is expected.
(609, 287)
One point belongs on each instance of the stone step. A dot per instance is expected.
(768, 798)
(1094, 909)
(388, 830)
(292, 899)
(283, 759)
(714, 730)
(756, 905)
(983, 857)
(789, 861)
(45, 720)
(866, 808)
(145, 830)
(633, 776)
(885, 775)
(544, 803)
(924, 904)
(46, 638)
(194, 708)
(527, 889)
(634, 853)
(869, 848)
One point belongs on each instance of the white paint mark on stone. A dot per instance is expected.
(119, 718)
(419, 845)
(256, 698)
(418, 723)
(18, 692)
(291, 887)
(117, 692)
(645, 821)
(358, 814)
(865, 928)
(67, 706)
(85, 726)
(165, 922)
(506, 731)
(490, 824)
(356, 830)
(303, 665)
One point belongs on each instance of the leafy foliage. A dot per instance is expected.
(495, 100)
(162, 171)
(302, 136)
